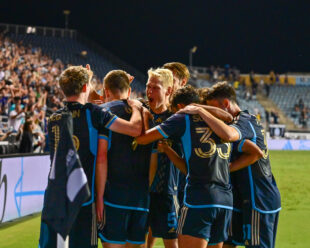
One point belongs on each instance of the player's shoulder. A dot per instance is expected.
(121, 108)
(178, 116)
(58, 114)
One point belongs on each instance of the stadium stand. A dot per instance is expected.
(70, 51)
(294, 102)
(30, 65)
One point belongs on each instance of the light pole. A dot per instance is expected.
(66, 13)
(191, 51)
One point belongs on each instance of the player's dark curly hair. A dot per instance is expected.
(221, 90)
(185, 95)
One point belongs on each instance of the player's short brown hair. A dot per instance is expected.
(73, 79)
(203, 93)
(116, 80)
(185, 95)
(179, 69)
(221, 90)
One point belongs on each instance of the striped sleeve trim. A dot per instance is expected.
(101, 136)
(237, 129)
(240, 145)
(110, 122)
(162, 132)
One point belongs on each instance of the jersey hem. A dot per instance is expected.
(208, 206)
(126, 207)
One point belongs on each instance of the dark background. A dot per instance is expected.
(254, 35)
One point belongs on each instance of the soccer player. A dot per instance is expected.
(180, 73)
(164, 188)
(88, 121)
(208, 198)
(257, 200)
(125, 194)
(181, 76)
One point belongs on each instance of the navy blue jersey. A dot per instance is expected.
(128, 169)
(256, 182)
(207, 160)
(89, 121)
(167, 175)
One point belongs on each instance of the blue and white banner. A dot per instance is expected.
(285, 144)
(303, 80)
(22, 184)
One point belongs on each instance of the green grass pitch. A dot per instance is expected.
(292, 172)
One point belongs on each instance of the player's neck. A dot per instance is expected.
(160, 109)
(235, 110)
(117, 98)
(80, 99)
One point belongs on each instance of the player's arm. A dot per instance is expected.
(250, 154)
(134, 126)
(225, 132)
(150, 136)
(175, 125)
(217, 112)
(153, 166)
(177, 161)
(146, 117)
(101, 176)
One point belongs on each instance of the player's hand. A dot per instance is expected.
(130, 77)
(97, 102)
(134, 103)
(91, 73)
(99, 209)
(190, 109)
(162, 145)
(147, 114)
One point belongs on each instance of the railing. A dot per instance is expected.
(44, 31)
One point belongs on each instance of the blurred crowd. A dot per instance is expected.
(29, 93)
(301, 111)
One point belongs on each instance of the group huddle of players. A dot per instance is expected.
(185, 165)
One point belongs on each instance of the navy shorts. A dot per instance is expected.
(164, 215)
(207, 223)
(124, 226)
(253, 229)
(82, 235)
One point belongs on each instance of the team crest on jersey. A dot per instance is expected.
(159, 120)
(172, 230)
(76, 142)
(128, 110)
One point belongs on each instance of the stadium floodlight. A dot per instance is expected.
(191, 51)
(66, 13)
(31, 30)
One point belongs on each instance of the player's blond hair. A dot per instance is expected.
(164, 75)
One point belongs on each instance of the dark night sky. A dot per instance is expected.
(250, 34)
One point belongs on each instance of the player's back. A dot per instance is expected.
(87, 123)
(127, 183)
(207, 160)
(208, 171)
(256, 182)
(120, 153)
